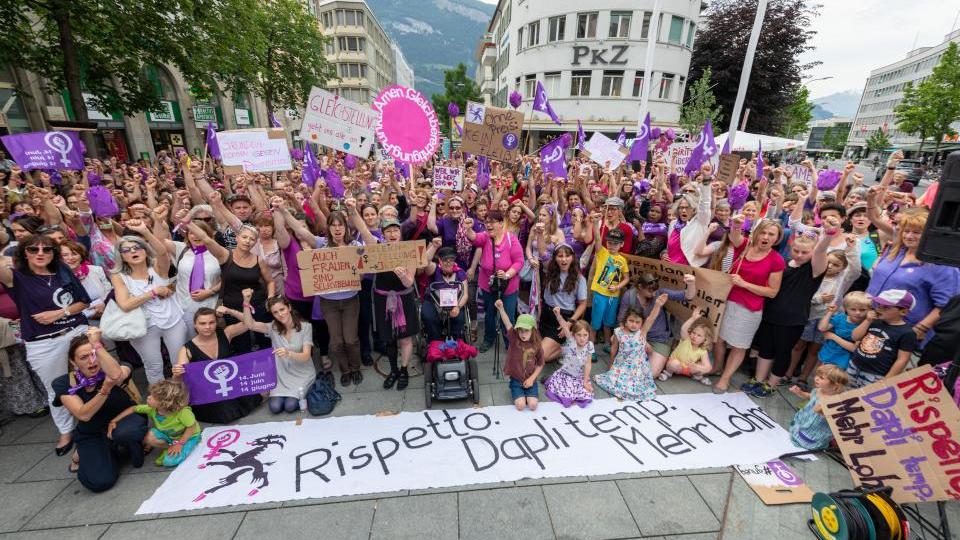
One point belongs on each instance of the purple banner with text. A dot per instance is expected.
(227, 378)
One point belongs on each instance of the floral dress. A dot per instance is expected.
(566, 384)
(630, 376)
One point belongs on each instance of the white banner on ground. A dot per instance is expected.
(351, 455)
(448, 178)
(339, 123)
(602, 149)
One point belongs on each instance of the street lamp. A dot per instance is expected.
(818, 79)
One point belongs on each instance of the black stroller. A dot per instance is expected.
(450, 367)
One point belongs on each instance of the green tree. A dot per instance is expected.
(798, 113)
(929, 109)
(840, 136)
(700, 105)
(458, 88)
(878, 142)
(913, 114)
(829, 139)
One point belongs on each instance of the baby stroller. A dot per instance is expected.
(450, 369)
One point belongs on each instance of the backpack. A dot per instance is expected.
(322, 398)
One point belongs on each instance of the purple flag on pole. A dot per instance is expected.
(703, 152)
(273, 120)
(311, 169)
(404, 168)
(581, 136)
(334, 183)
(45, 150)
(759, 160)
(211, 381)
(483, 172)
(542, 103)
(622, 137)
(726, 146)
(641, 143)
(459, 129)
(553, 158)
(212, 145)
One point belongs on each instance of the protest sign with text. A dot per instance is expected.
(902, 432)
(712, 286)
(448, 178)
(45, 150)
(727, 170)
(800, 173)
(338, 269)
(492, 132)
(338, 123)
(603, 150)
(775, 482)
(254, 150)
(408, 130)
(679, 155)
(211, 381)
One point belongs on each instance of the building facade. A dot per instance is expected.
(884, 90)
(824, 134)
(180, 123)
(590, 59)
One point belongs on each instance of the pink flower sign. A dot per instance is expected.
(409, 130)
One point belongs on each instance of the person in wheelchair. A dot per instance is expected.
(446, 294)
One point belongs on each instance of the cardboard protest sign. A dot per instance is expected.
(448, 178)
(339, 269)
(800, 174)
(712, 286)
(408, 129)
(602, 149)
(45, 150)
(227, 378)
(775, 483)
(254, 150)
(678, 156)
(338, 123)
(902, 432)
(492, 132)
(727, 170)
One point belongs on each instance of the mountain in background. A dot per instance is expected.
(434, 35)
(842, 104)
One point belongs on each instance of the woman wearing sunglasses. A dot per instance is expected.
(51, 301)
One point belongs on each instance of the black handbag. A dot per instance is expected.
(322, 398)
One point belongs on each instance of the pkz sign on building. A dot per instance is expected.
(616, 55)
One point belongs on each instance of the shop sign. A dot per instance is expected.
(92, 112)
(165, 114)
(243, 116)
(203, 114)
(615, 55)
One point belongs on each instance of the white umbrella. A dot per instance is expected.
(749, 142)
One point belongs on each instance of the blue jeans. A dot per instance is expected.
(492, 316)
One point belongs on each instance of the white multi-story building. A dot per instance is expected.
(884, 90)
(590, 58)
(404, 75)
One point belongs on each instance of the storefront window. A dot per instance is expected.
(16, 115)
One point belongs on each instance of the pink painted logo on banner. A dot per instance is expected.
(409, 130)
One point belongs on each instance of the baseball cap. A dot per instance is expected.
(525, 322)
(896, 298)
(615, 234)
(388, 223)
(446, 253)
(827, 195)
(614, 201)
(857, 207)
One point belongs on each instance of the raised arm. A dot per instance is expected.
(685, 329)
(248, 321)
(279, 223)
(357, 221)
(652, 317)
(831, 228)
(503, 315)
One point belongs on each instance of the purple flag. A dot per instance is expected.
(703, 152)
(641, 143)
(212, 145)
(45, 150)
(553, 159)
(404, 168)
(726, 146)
(311, 169)
(273, 120)
(459, 129)
(483, 172)
(334, 183)
(542, 103)
(211, 381)
(581, 136)
(622, 137)
(759, 160)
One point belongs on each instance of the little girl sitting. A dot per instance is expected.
(524, 359)
(570, 383)
(630, 376)
(809, 429)
(174, 427)
(691, 358)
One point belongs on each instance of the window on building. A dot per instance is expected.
(619, 24)
(645, 27)
(530, 85)
(520, 42)
(666, 86)
(676, 29)
(691, 30)
(558, 26)
(351, 17)
(680, 88)
(551, 83)
(533, 34)
(330, 47)
(587, 25)
(637, 84)
(350, 44)
(341, 17)
(612, 81)
(580, 83)
(516, 84)
(327, 19)
(354, 71)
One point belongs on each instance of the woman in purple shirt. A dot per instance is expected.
(501, 259)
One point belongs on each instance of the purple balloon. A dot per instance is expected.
(671, 134)
(296, 154)
(350, 162)
(654, 229)
(737, 196)
(453, 109)
(515, 99)
(655, 132)
(641, 187)
(567, 139)
(828, 179)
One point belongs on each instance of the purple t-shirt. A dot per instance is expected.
(932, 285)
(447, 227)
(291, 283)
(35, 294)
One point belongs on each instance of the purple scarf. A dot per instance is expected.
(83, 382)
(196, 275)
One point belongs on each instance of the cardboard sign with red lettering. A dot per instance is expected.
(902, 432)
(340, 269)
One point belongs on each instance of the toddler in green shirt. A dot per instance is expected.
(175, 429)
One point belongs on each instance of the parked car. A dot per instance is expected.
(912, 168)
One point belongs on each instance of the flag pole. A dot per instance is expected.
(745, 72)
(652, 38)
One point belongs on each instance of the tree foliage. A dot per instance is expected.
(796, 116)
(722, 45)
(928, 109)
(700, 106)
(458, 88)
(878, 141)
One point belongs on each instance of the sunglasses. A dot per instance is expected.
(131, 249)
(204, 219)
(33, 250)
(454, 208)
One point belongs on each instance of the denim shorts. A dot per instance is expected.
(603, 312)
(517, 390)
(810, 332)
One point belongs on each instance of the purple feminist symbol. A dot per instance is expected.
(220, 372)
(220, 440)
(784, 473)
(510, 141)
(60, 144)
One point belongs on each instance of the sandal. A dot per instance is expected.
(74, 465)
(664, 375)
(702, 379)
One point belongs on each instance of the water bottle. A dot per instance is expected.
(303, 400)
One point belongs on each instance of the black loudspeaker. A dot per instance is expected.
(940, 243)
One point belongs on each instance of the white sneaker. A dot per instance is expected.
(664, 375)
